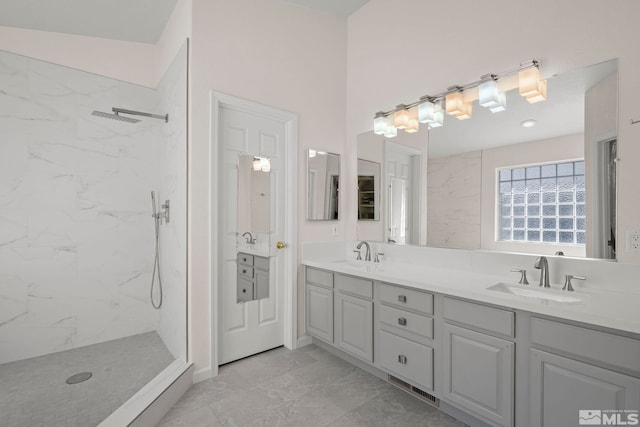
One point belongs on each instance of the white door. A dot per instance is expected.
(248, 328)
(401, 167)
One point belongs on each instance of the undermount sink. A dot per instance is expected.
(534, 292)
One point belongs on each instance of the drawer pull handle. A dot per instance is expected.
(244, 271)
(402, 321)
(402, 359)
(402, 298)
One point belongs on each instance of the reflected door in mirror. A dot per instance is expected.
(323, 178)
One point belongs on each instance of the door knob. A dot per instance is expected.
(280, 245)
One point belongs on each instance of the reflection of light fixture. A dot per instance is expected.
(531, 84)
(380, 123)
(490, 91)
(263, 164)
(312, 153)
(454, 104)
(401, 117)
(489, 96)
(390, 131)
(528, 123)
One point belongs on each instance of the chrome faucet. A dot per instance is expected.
(367, 256)
(542, 265)
(250, 239)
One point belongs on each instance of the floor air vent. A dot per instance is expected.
(415, 391)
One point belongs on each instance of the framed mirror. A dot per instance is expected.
(254, 203)
(323, 179)
(472, 162)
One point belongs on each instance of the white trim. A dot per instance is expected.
(290, 121)
(304, 341)
(202, 374)
(144, 397)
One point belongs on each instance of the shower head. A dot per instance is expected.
(114, 116)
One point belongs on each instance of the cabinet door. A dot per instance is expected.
(354, 325)
(320, 312)
(478, 373)
(560, 388)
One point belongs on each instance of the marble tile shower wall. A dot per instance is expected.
(171, 173)
(76, 238)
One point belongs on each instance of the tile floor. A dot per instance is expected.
(302, 388)
(33, 392)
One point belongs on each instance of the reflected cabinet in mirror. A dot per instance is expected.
(536, 178)
(323, 177)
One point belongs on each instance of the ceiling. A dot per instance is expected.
(129, 20)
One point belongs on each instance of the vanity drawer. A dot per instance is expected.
(246, 272)
(477, 316)
(407, 359)
(245, 259)
(261, 262)
(354, 285)
(406, 298)
(319, 277)
(407, 321)
(597, 346)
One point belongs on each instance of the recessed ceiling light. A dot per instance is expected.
(528, 123)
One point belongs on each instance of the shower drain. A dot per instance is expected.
(78, 378)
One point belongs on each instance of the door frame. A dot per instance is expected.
(290, 122)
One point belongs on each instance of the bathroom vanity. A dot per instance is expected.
(487, 357)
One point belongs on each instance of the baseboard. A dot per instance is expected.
(304, 341)
(202, 374)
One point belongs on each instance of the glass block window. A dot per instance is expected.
(542, 203)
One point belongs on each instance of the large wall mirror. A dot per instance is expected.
(536, 178)
(323, 178)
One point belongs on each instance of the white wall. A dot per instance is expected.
(453, 201)
(280, 55)
(403, 49)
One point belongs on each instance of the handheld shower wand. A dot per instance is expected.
(156, 262)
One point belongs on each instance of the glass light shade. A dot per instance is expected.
(454, 103)
(390, 131)
(488, 95)
(541, 95)
(426, 112)
(438, 119)
(261, 164)
(379, 124)
(529, 81)
(312, 153)
(413, 125)
(466, 111)
(401, 119)
(501, 105)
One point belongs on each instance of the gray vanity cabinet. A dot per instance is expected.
(319, 312)
(354, 316)
(478, 366)
(592, 370)
(562, 387)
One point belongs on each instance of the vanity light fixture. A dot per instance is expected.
(454, 102)
(261, 164)
(458, 100)
(490, 97)
(312, 153)
(531, 84)
(401, 117)
(380, 123)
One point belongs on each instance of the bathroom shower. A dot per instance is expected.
(158, 216)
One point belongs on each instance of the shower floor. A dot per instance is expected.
(33, 391)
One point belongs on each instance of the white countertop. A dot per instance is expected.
(610, 309)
